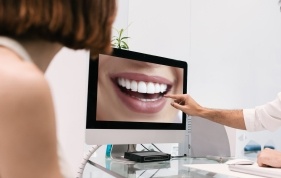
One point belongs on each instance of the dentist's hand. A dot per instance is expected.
(231, 118)
(269, 157)
(186, 104)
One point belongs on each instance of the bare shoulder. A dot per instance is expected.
(27, 120)
(22, 87)
(21, 81)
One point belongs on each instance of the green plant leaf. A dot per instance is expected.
(120, 33)
(125, 37)
(118, 41)
(125, 45)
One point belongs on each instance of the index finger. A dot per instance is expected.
(173, 96)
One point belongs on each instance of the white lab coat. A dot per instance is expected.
(265, 117)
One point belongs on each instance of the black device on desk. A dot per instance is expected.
(147, 156)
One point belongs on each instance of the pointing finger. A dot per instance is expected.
(177, 106)
(173, 96)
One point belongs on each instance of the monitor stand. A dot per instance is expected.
(117, 152)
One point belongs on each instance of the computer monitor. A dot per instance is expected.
(125, 103)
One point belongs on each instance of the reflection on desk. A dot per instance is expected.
(219, 169)
(108, 168)
(257, 170)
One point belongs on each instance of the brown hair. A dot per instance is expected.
(77, 24)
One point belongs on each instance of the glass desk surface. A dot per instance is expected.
(174, 168)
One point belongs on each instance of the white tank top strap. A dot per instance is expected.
(16, 47)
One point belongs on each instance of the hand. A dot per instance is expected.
(269, 157)
(185, 103)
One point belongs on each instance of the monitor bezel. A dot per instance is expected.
(92, 93)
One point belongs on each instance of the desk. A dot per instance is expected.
(174, 168)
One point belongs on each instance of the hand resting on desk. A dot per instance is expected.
(269, 157)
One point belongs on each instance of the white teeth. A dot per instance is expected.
(123, 83)
(134, 86)
(147, 100)
(150, 88)
(157, 88)
(128, 84)
(142, 87)
(163, 88)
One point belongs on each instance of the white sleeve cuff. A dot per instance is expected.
(249, 119)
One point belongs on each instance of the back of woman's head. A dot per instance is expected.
(77, 24)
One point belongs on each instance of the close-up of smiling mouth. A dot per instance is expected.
(141, 93)
(141, 90)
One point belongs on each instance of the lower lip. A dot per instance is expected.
(136, 105)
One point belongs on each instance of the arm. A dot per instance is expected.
(231, 118)
(269, 157)
(28, 144)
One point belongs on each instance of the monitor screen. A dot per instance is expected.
(126, 103)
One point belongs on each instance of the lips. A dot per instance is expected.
(141, 93)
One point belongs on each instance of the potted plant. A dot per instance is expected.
(119, 41)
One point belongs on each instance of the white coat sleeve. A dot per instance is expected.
(265, 117)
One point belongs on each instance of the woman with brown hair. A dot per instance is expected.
(31, 33)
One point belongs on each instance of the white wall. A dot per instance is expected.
(160, 27)
(235, 52)
(67, 76)
(121, 20)
(233, 48)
